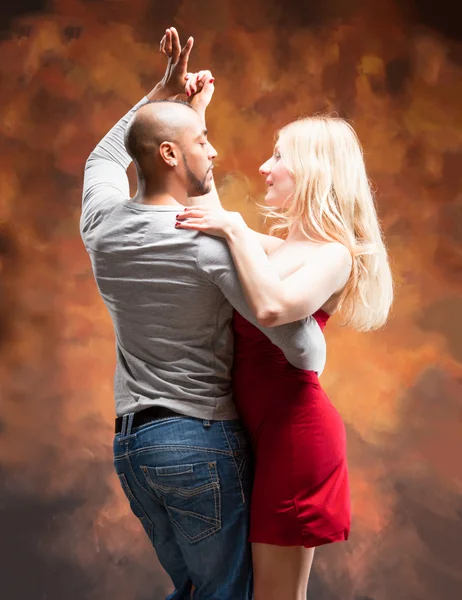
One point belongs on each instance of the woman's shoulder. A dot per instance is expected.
(338, 250)
(330, 251)
(335, 261)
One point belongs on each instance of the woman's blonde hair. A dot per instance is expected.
(333, 202)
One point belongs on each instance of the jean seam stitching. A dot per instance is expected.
(217, 490)
(153, 496)
(235, 464)
(244, 448)
(209, 520)
(199, 536)
(185, 472)
(180, 491)
(131, 496)
(178, 447)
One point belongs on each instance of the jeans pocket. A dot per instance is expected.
(191, 494)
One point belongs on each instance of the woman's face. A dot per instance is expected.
(280, 181)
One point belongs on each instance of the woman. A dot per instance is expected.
(332, 259)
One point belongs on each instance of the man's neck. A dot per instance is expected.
(159, 190)
(164, 199)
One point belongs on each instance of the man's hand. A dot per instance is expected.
(177, 65)
(173, 82)
(197, 86)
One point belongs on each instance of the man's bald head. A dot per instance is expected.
(158, 122)
(168, 142)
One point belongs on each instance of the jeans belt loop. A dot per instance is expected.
(130, 423)
(124, 426)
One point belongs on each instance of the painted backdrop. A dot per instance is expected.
(69, 70)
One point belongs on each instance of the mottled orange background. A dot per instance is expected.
(68, 71)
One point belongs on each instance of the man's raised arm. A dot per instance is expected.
(105, 177)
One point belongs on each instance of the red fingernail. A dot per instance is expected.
(188, 94)
(186, 76)
(212, 80)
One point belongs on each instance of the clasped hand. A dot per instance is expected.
(198, 87)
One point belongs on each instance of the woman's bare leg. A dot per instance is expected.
(281, 572)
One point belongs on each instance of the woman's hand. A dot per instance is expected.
(199, 89)
(214, 221)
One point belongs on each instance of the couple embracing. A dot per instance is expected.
(228, 450)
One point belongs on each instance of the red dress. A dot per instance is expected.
(301, 493)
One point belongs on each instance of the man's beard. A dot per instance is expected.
(200, 187)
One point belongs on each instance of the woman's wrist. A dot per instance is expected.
(236, 231)
(199, 109)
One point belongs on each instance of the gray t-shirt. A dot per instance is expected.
(170, 294)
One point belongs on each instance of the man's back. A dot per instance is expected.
(172, 325)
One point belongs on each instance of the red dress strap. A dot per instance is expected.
(321, 317)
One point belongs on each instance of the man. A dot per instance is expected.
(180, 451)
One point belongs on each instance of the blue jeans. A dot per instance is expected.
(188, 481)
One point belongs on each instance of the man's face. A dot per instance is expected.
(198, 155)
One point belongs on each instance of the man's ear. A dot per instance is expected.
(169, 153)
